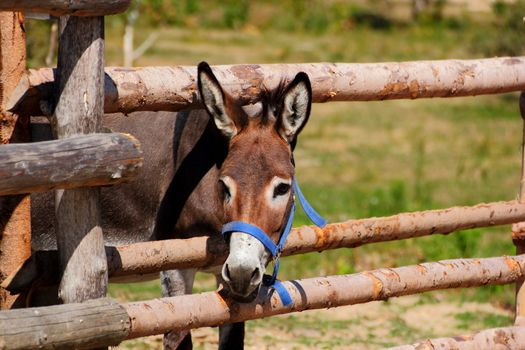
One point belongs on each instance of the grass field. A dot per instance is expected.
(362, 159)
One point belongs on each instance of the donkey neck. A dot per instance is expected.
(190, 206)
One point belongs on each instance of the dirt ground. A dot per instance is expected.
(373, 325)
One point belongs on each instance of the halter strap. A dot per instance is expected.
(276, 249)
(252, 230)
(314, 216)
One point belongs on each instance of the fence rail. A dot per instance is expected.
(184, 312)
(89, 160)
(511, 338)
(149, 257)
(173, 88)
(93, 323)
(210, 309)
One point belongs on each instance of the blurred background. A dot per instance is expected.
(357, 159)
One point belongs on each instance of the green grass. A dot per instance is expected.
(135, 291)
(469, 320)
(190, 46)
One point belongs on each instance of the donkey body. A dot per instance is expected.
(202, 169)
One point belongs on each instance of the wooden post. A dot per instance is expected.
(79, 110)
(518, 230)
(15, 224)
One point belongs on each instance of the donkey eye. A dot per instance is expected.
(281, 189)
(225, 190)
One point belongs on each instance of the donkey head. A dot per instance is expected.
(255, 182)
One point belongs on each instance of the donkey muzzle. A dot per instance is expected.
(244, 268)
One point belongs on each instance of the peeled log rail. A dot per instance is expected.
(174, 89)
(67, 7)
(158, 316)
(150, 257)
(140, 258)
(155, 256)
(210, 309)
(509, 338)
(88, 160)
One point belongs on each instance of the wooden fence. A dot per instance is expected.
(91, 320)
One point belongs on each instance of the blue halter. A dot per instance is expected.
(276, 249)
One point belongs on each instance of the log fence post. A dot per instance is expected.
(79, 110)
(15, 224)
(518, 229)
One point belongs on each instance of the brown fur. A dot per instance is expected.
(256, 155)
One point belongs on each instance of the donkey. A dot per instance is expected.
(202, 169)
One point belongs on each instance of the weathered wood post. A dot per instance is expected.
(518, 230)
(79, 110)
(15, 225)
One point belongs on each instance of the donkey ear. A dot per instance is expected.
(214, 100)
(295, 108)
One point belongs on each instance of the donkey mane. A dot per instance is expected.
(271, 100)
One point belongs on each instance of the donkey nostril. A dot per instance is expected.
(256, 274)
(226, 273)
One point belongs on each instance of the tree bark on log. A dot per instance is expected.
(510, 338)
(149, 257)
(15, 218)
(185, 312)
(174, 88)
(79, 110)
(91, 160)
(99, 322)
(67, 7)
